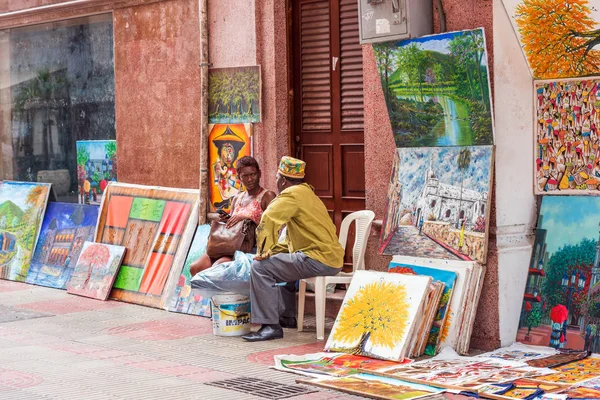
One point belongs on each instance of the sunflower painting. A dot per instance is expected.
(378, 315)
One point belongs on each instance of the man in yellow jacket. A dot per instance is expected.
(311, 248)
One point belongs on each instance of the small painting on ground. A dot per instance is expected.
(438, 203)
(234, 95)
(184, 299)
(437, 89)
(96, 167)
(96, 270)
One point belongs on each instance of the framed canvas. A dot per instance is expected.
(96, 167)
(156, 225)
(566, 139)
(234, 95)
(396, 298)
(437, 89)
(96, 270)
(65, 228)
(561, 295)
(448, 278)
(182, 298)
(227, 144)
(558, 37)
(22, 208)
(439, 204)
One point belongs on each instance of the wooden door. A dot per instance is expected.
(328, 101)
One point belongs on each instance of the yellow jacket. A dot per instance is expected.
(309, 227)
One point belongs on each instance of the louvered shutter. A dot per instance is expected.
(328, 101)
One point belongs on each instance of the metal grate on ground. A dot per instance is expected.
(261, 388)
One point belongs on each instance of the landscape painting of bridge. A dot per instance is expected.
(22, 208)
(437, 89)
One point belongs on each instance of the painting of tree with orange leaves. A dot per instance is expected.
(379, 315)
(560, 38)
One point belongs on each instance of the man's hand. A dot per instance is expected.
(259, 257)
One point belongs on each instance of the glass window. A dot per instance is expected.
(56, 87)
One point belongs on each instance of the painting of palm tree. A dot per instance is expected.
(234, 95)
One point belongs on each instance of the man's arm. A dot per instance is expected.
(280, 212)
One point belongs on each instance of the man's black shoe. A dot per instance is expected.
(288, 322)
(266, 332)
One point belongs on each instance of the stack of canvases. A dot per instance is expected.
(385, 316)
(561, 304)
(437, 93)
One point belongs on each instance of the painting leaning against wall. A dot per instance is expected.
(560, 38)
(561, 304)
(234, 95)
(96, 167)
(22, 208)
(437, 89)
(438, 204)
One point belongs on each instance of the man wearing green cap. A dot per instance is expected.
(311, 248)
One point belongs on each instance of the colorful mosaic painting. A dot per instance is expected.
(156, 226)
(184, 299)
(65, 228)
(574, 372)
(22, 207)
(96, 270)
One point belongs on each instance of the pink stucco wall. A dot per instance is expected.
(157, 80)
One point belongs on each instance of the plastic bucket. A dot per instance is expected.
(230, 315)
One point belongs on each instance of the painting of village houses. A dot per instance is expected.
(65, 228)
(438, 203)
(22, 207)
(567, 156)
(561, 304)
(96, 167)
(436, 89)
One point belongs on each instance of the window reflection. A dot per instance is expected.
(56, 87)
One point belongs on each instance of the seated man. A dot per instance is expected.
(311, 249)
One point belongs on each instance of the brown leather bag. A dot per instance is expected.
(225, 241)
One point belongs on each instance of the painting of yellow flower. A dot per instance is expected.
(378, 315)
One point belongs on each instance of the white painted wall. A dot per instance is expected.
(515, 203)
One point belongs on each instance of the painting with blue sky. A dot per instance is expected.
(437, 89)
(563, 272)
(65, 228)
(438, 203)
(22, 207)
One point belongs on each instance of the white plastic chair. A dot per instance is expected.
(363, 219)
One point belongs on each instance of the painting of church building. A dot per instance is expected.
(438, 203)
(64, 230)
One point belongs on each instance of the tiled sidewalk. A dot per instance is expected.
(57, 346)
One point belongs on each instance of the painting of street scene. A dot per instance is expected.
(567, 157)
(22, 207)
(65, 229)
(560, 38)
(437, 89)
(96, 167)
(561, 305)
(438, 203)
